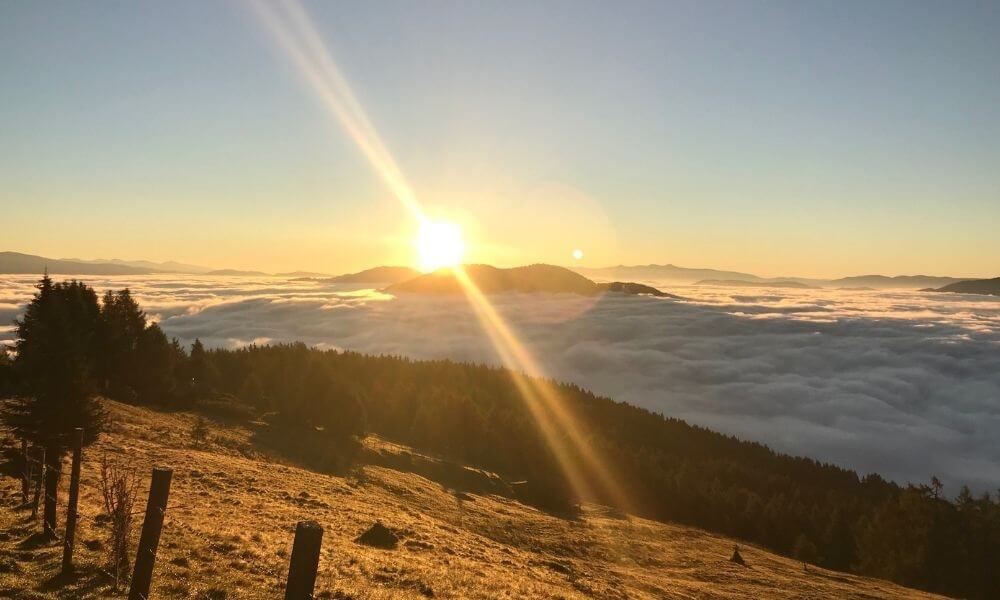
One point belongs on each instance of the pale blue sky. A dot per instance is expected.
(800, 138)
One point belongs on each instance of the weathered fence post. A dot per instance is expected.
(74, 499)
(50, 502)
(304, 561)
(39, 472)
(149, 539)
(26, 472)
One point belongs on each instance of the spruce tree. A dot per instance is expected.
(119, 334)
(6, 372)
(54, 362)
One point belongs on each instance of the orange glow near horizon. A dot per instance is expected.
(439, 244)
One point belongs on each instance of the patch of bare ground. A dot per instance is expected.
(233, 508)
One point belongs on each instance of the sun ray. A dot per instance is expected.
(293, 30)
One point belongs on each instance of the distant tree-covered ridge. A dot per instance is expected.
(978, 286)
(474, 413)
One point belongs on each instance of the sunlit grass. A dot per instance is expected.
(232, 514)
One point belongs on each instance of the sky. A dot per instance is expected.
(780, 138)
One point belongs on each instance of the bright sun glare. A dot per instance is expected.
(439, 244)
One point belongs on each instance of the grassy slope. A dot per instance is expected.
(232, 514)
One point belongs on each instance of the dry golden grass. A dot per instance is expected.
(232, 514)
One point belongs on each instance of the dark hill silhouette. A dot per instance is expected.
(634, 289)
(377, 275)
(302, 274)
(532, 278)
(976, 286)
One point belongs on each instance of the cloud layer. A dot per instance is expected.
(903, 383)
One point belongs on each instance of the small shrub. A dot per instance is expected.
(199, 431)
(119, 486)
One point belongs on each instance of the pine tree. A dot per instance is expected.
(153, 377)
(120, 330)
(201, 374)
(55, 348)
(6, 372)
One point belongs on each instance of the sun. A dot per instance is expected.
(439, 244)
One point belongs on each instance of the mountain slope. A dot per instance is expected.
(976, 286)
(231, 516)
(528, 279)
(386, 275)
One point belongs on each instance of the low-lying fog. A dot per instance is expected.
(903, 383)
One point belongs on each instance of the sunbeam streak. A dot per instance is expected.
(292, 29)
(290, 26)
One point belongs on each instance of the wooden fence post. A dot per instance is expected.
(74, 499)
(39, 473)
(26, 474)
(50, 499)
(149, 539)
(304, 561)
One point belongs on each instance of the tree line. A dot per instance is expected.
(71, 347)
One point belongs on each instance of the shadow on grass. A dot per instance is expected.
(37, 540)
(315, 451)
(81, 582)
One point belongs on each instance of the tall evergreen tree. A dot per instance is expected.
(55, 362)
(153, 378)
(6, 372)
(200, 375)
(120, 331)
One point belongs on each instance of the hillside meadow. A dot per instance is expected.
(233, 508)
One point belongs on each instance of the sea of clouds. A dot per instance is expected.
(906, 384)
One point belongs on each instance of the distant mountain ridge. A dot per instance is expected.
(668, 271)
(537, 278)
(685, 275)
(236, 273)
(170, 266)
(897, 282)
(989, 287)
(762, 283)
(16, 263)
(388, 275)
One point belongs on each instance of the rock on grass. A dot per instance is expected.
(378, 536)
